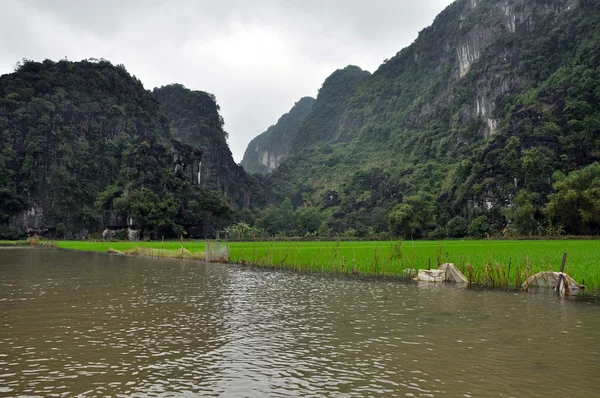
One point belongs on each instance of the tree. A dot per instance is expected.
(151, 213)
(479, 227)
(526, 212)
(576, 202)
(457, 227)
(308, 220)
(278, 220)
(415, 216)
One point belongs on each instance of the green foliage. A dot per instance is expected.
(10, 233)
(526, 214)
(458, 227)
(479, 227)
(84, 143)
(308, 220)
(372, 143)
(576, 201)
(194, 120)
(322, 123)
(61, 230)
(193, 115)
(414, 217)
(278, 220)
(149, 212)
(283, 220)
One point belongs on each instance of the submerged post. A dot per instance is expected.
(562, 270)
(508, 276)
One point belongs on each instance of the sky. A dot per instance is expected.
(258, 57)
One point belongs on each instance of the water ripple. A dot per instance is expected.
(88, 325)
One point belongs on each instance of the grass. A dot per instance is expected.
(493, 264)
(486, 263)
(13, 242)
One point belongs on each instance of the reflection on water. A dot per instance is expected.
(79, 323)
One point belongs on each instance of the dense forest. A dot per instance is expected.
(488, 124)
(83, 146)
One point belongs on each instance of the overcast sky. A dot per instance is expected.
(258, 57)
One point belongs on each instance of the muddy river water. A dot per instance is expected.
(74, 323)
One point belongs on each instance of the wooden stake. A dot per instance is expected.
(562, 269)
(508, 276)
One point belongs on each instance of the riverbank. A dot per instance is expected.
(485, 263)
(13, 243)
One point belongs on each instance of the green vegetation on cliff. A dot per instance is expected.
(195, 120)
(488, 123)
(83, 146)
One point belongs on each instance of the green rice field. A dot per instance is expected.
(12, 242)
(491, 263)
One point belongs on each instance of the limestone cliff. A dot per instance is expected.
(462, 114)
(267, 151)
(195, 120)
(83, 147)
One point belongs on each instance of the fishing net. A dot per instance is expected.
(147, 251)
(446, 273)
(217, 252)
(453, 274)
(550, 279)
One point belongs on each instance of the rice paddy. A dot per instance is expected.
(13, 242)
(489, 263)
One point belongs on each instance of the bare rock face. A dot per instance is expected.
(187, 162)
(195, 121)
(133, 234)
(30, 221)
(269, 150)
(504, 18)
(270, 160)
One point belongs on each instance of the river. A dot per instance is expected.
(89, 324)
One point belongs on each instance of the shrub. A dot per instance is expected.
(480, 227)
(11, 233)
(61, 230)
(458, 227)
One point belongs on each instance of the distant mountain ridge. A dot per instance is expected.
(267, 151)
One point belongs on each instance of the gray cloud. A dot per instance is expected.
(257, 57)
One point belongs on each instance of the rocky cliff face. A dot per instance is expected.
(469, 58)
(478, 31)
(83, 146)
(441, 115)
(194, 119)
(324, 122)
(266, 152)
(462, 67)
(63, 129)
